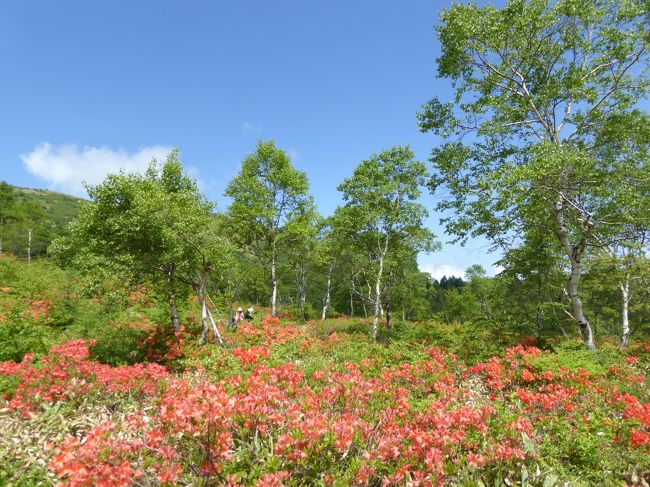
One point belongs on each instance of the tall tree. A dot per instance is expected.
(302, 250)
(547, 92)
(268, 197)
(381, 213)
(154, 226)
(326, 258)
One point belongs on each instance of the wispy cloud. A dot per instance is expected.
(250, 128)
(66, 167)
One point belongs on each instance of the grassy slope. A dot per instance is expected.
(61, 208)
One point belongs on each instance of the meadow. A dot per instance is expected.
(314, 403)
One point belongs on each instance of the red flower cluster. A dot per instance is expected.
(66, 373)
(415, 423)
(336, 414)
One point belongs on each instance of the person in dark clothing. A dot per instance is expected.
(248, 316)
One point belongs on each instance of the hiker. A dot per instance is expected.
(239, 316)
(248, 316)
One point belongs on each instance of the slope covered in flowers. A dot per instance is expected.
(289, 405)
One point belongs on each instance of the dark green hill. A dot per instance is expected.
(59, 210)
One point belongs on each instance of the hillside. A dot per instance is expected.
(59, 209)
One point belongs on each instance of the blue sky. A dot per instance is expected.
(88, 86)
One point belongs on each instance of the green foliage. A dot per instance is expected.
(19, 337)
(43, 305)
(8, 385)
(571, 355)
(267, 193)
(217, 362)
(26, 299)
(154, 228)
(49, 213)
(270, 209)
(549, 90)
(381, 224)
(380, 203)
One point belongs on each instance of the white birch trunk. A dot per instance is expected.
(173, 313)
(576, 305)
(326, 303)
(625, 302)
(215, 328)
(274, 284)
(375, 319)
(204, 318)
(302, 287)
(29, 246)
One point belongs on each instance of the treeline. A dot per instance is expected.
(157, 229)
(271, 248)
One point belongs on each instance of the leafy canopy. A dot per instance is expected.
(155, 224)
(268, 195)
(545, 107)
(381, 208)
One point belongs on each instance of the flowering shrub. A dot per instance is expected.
(66, 373)
(281, 408)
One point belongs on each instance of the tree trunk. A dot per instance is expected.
(215, 329)
(274, 283)
(173, 313)
(625, 301)
(538, 308)
(576, 305)
(574, 253)
(204, 315)
(29, 246)
(302, 288)
(2, 227)
(303, 299)
(375, 319)
(351, 304)
(326, 303)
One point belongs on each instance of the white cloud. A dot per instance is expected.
(437, 271)
(66, 167)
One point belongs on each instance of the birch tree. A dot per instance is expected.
(623, 263)
(155, 227)
(544, 133)
(302, 249)
(326, 259)
(32, 218)
(381, 213)
(268, 195)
